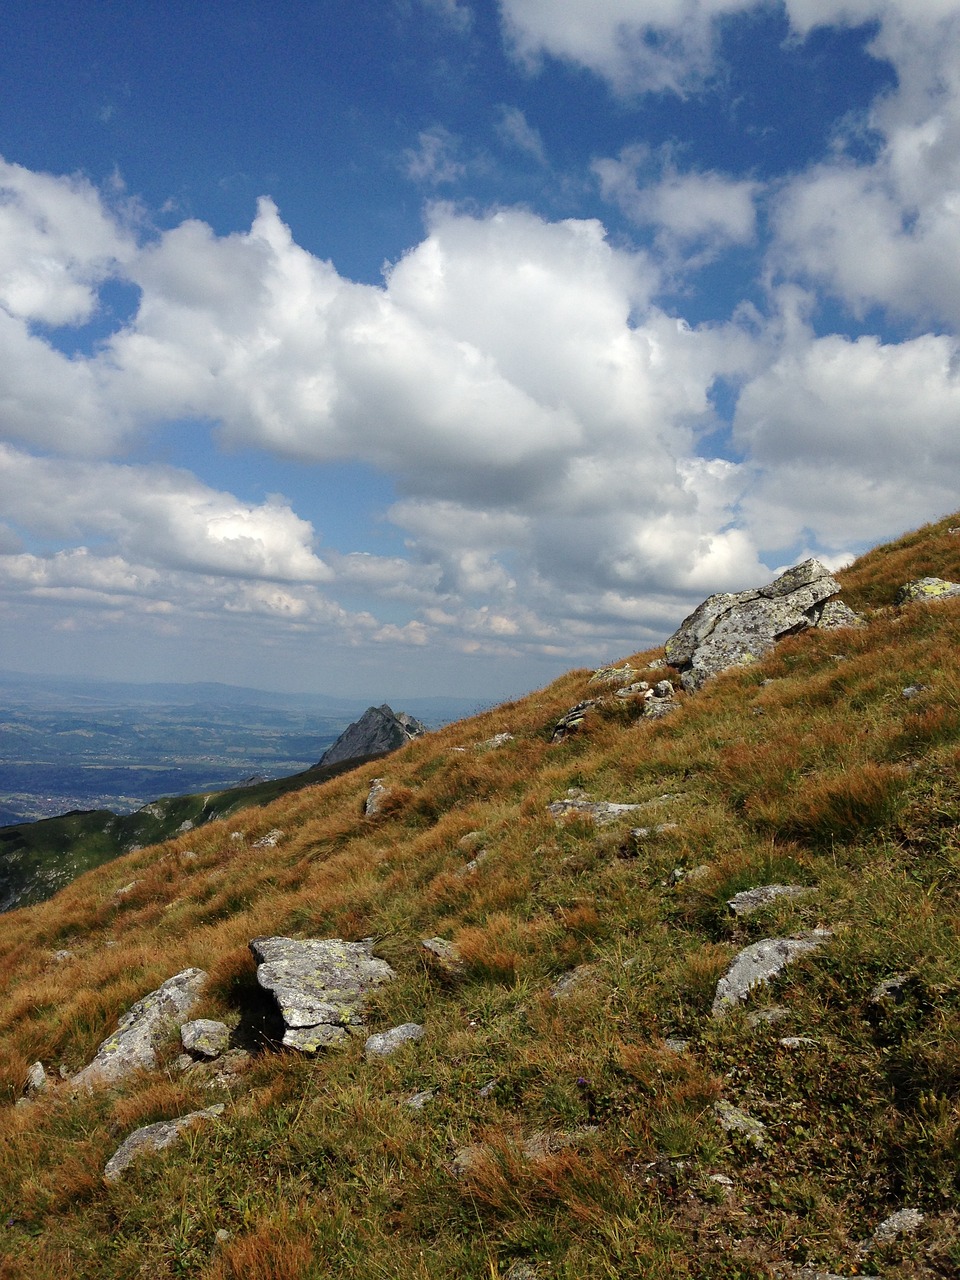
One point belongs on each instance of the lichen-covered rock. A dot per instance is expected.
(835, 615)
(758, 963)
(132, 1047)
(733, 1120)
(443, 954)
(926, 589)
(902, 1223)
(319, 985)
(383, 1043)
(204, 1037)
(730, 630)
(750, 900)
(154, 1137)
(613, 675)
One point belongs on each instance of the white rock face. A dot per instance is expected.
(319, 985)
(132, 1047)
(759, 963)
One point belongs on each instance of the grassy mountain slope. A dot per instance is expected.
(595, 1145)
(38, 858)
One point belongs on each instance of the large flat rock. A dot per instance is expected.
(731, 630)
(319, 985)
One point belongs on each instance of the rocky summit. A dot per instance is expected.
(652, 973)
(378, 731)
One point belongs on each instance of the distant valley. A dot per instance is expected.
(69, 744)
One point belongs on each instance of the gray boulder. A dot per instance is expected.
(758, 963)
(730, 630)
(132, 1047)
(922, 590)
(319, 985)
(378, 731)
(154, 1137)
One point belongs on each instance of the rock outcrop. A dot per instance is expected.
(132, 1047)
(730, 630)
(378, 731)
(926, 589)
(319, 985)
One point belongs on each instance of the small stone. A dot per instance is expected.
(498, 740)
(676, 1044)
(270, 840)
(733, 1120)
(487, 1090)
(720, 1179)
(572, 721)
(222, 1236)
(184, 1062)
(468, 868)
(912, 691)
(154, 1137)
(205, 1037)
(417, 1101)
(769, 1017)
(601, 812)
(750, 900)
(444, 954)
(798, 1042)
(569, 982)
(902, 1223)
(125, 889)
(470, 842)
(383, 1043)
(188, 855)
(632, 690)
(613, 675)
(465, 1159)
(889, 989)
(62, 956)
(236, 835)
(36, 1080)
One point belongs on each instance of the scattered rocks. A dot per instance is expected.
(498, 740)
(375, 798)
(733, 1120)
(572, 721)
(319, 985)
(383, 1043)
(205, 1038)
(902, 1223)
(659, 701)
(154, 1137)
(924, 590)
(751, 900)
(270, 840)
(758, 963)
(736, 629)
(132, 1047)
(632, 690)
(602, 812)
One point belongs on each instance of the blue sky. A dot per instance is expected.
(441, 345)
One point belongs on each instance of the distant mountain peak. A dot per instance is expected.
(378, 731)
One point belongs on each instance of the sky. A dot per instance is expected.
(385, 347)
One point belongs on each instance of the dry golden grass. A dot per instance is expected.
(825, 775)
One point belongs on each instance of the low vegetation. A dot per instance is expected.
(569, 1133)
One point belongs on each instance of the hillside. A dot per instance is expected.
(582, 1103)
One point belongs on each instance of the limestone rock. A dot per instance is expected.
(419, 1101)
(36, 1081)
(614, 675)
(835, 614)
(730, 630)
(902, 1223)
(601, 812)
(270, 840)
(204, 1037)
(132, 1047)
(759, 963)
(377, 795)
(154, 1137)
(319, 985)
(572, 721)
(733, 1120)
(378, 731)
(383, 1043)
(923, 590)
(443, 954)
(750, 900)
